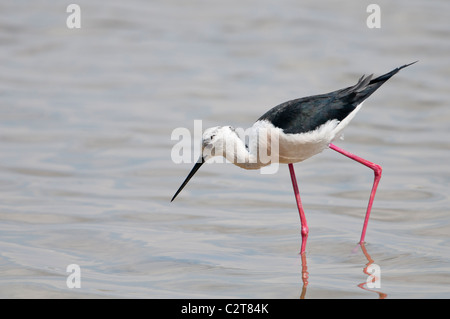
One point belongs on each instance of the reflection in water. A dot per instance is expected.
(305, 276)
(372, 276)
(371, 279)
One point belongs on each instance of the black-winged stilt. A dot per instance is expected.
(302, 128)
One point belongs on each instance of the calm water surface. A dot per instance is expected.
(86, 175)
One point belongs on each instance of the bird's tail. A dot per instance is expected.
(387, 76)
(366, 86)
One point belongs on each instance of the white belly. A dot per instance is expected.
(293, 148)
(299, 147)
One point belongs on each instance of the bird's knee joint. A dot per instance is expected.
(377, 169)
(305, 231)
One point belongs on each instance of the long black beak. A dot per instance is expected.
(193, 171)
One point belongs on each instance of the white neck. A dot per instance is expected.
(236, 153)
(239, 155)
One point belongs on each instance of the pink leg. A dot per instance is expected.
(377, 171)
(304, 225)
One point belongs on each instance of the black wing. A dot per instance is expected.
(307, 113)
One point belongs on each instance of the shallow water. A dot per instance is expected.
(86, 175)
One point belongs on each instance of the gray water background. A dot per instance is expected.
(86, 175)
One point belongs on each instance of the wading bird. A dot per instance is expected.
(301, 128)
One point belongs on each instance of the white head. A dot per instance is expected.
(216, 141)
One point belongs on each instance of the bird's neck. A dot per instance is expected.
(239, 155)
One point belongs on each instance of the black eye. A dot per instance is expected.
(212, 136)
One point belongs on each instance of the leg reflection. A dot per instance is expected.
(305, 276)
(372, 277)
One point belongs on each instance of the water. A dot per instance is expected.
(86, 176)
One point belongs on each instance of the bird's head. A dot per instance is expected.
(214, 141)
(213, 144)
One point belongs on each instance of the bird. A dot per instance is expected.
(294, 131)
